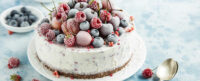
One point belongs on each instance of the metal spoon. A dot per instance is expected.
(167, 70)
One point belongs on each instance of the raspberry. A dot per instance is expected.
(63, 8)
(95, 5)
(83, 38)
(96, 23)
(50, 35)
(147, 73)
(10, 32)
(13, 62)
(80, 16)
(44, 28)
(69, 40)
(58, 16)
(35, 80)
(72, 26)
(15, 77)
(105, 15)
(64, 16)
(81, 0)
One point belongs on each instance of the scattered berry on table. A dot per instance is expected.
(10, 32)
(106, 29)
(90, 13)
(72, 13)
(69, 40)
(98, 42)
(13, 62)
(83, 38)
(55, 73)
(105, 15)
(95, 5)
(121, 30)
(60, 38)
(44, 28)
(112, 38)
(80, 16)
(147, 73)
(24, 24)
(15, 77)
(84, 25)
(56, 32)
(35, 80)
(96, 23)
(50, 35)
(115, 21)
(81, 6)
(94, 32)
(110, 44)
(123, 23)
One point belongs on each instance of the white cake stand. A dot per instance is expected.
(139, 55)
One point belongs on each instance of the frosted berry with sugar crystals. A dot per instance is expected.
(44, 28)
(90, 13)
(96, 23)
(106, 29)
(105, 15)
(80, 16)
(81, 6)
(83, 38)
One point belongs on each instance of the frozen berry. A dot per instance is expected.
(63, 17)
(81, 6)
(35, 80)
(90, 13)
(13, 12)
(50, 35)
(13, 23)
(85, 25)
(72, 26)
(83, 38)
(120, 14)
(69, 40)
(8, 17)
(15, 77)
(56, 32)
(71, 3)
(98, 42)
(13, 62)
(81, 0)
(58, 16)
(44, 28)
(56, 23)
(32, 18)
(112, 38)
(10, 32)
(115, 21)
(24, 24)
(123, 23)
(147, 73)
(80, 16)
(105, 16)
(63, 8)
(94, 32)
(106, 29)
(60, 38)
(121, 30)
(23, 9)
(45, 20)
(95, 5)
(96, 23)
(108, 5)
(72, 13)
(16, 16)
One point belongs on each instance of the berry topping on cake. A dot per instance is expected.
(72, 13)
(50, 35)
(56, 32)
(69, 40)
(147, 73)
(72, 26)
(44, 28)
(96, 5)
(71, 3)
(15, 77)
(83, 38)
(105, 15)
(60, 38)
(81, 6)
(90, 13)
(81, 0)
(45, 20)
(98, 42)
(106, 29)
(96, 23)
(112, 38)
(13, 62)
(80, 16)
(63, 8)
(119, 13)
(85, 25)
(56, 23)
(94, 32)
(123, 23)
(115, 21)
(121, 30)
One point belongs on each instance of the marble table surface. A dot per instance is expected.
(170, 29)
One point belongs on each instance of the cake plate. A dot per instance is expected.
(139, 55)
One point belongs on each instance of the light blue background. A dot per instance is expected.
(170, 29)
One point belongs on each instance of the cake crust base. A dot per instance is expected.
(92, 76)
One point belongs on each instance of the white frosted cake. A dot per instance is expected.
(68, 46)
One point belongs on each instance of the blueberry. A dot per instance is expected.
(94, 32)
(56, 32)
(121, 30)
(23, 10)
(8, 17)
(123, 23)
(106, 29)
(85, 25)
(81, 6)
(33, 18)
(90, 13)
(13, 12)
(13, 23)
(8, 21)
(45, 20)
(24, 24)
(25, 18)
(72, 13)
(98, 42)
(112, 38)
(71, 3)
(30, 22)
(60, 38)
(16, 16)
